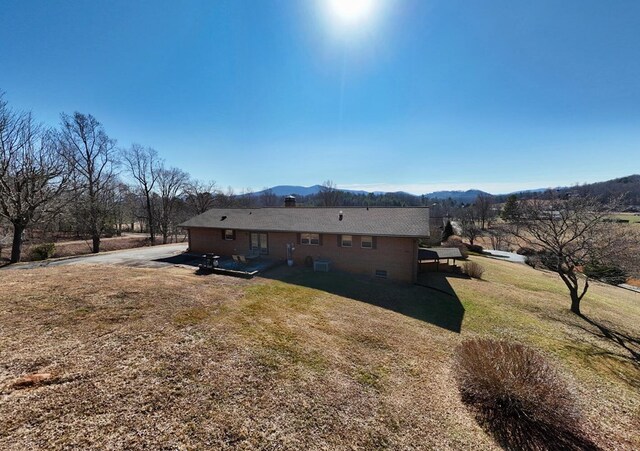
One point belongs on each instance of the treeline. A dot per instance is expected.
(330, 196)
(74, 179)
(625, 190)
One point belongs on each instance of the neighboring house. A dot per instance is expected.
(374, 241)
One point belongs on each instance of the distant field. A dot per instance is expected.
(146, 358)
(631, 217)
(82, 247)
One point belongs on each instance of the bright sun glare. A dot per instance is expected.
(352, 12)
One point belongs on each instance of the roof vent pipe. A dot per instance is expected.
(340, 215)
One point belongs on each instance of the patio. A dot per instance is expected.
(231, 267)
(225, 264)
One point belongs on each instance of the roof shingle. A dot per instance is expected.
(379, 221)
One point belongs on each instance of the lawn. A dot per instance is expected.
(296, 360)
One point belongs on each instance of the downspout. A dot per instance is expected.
(414, 276)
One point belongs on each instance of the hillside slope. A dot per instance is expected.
(144, 357)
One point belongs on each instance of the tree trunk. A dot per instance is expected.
(96, 243)
(575, 302)
(150, 214)
(16, 247)
(571, 281)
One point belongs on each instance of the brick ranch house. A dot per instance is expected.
(374, 241)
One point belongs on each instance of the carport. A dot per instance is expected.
(429, 258)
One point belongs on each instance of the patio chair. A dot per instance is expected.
(242, 259)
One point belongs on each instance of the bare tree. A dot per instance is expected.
(329, 194)
(143, 165)
(469, 227)
(171, 183)
(245, 199)
(484, 209)
(91, 155)
(225, 200)
(4, 236)
(470, 230)
(124, 209)
(33, 176)
(572, 231)
(201, 195)
(499, 237)
(268, 198)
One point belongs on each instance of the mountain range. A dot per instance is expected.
(295, 190)
(628, 185)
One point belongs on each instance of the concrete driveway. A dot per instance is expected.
(507, 256)
(140, 257)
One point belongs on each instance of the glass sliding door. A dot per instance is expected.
(260, 242)
(264, 245)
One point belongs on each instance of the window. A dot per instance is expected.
(381, 273)
(346, 241)
(229, 235)
(366, 242)
(310, 238)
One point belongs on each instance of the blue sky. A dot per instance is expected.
(422, 95)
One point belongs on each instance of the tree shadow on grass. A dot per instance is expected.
(621, 361)
(435, 303)
(627, 342)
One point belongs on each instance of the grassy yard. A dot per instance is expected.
(298, 360)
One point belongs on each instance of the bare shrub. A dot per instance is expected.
(473, 269)
(519, 397)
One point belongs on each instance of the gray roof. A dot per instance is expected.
(379, 221)
(437, 253)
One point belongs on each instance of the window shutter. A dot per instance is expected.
(233, 234)
(374, 242)
(222, 230)
(298, 238)
(320, 239)
(339, 240)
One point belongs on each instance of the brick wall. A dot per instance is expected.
(397, 256)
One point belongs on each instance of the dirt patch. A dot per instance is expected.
(634, 282)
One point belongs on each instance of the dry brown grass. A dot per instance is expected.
(82, 247)
(162, 358)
